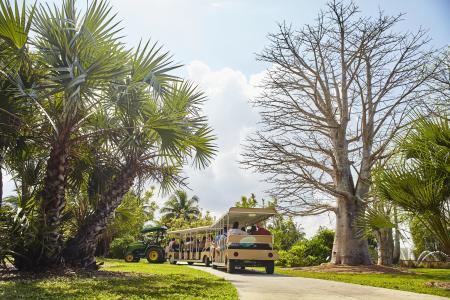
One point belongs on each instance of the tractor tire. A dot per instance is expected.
(154, 255)
(130, 257)
(270, 267)
(231, 266)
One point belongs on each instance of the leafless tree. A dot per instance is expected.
(335, 95)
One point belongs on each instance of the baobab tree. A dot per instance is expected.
(336, 93)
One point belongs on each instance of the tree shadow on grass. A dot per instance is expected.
(176, 286)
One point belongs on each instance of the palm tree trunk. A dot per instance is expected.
(80, 250)
(1, 182)
(52, 203)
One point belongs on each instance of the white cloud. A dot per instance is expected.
(233, 118)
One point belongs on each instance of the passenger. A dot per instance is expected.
(224, 233)
(252, 230)
(261, 230)
(202, 244)
(236, 231)
(173, 246)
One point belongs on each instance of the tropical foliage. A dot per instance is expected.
(310, 252)
(180, 206)
(85, 122)
(417, 179)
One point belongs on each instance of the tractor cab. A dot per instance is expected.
(150, 246)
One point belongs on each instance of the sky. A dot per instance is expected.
(216, 41)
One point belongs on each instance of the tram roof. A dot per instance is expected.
(245, 216)
(191, 230)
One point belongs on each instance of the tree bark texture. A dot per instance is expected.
(1, 185)
(52, 200)
(385, 246)
(80, 250)
(348, 248)
(396, 254)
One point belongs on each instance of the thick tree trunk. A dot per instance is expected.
(1, 183)
(52, 203)
(396, 254)
(348, 249)
(80, 250)
(385, 246)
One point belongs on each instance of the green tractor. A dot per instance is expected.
(150, 247)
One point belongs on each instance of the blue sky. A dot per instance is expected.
(217, 41)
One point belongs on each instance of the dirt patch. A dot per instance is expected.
(14, 275)
(439, 284)
(345, 269)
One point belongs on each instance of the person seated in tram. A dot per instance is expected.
(261, 230)
(188, 243)
(202, 244)
(235, 230)
(173, 245)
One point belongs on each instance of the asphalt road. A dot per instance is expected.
(259, 286)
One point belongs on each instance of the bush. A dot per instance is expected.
(282, 259)
(119, 245)
(311, 252)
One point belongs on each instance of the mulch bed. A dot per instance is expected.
(345, 269)
(439, 284)
(11, 274)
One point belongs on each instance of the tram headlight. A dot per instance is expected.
(270, 254)
(235, 254)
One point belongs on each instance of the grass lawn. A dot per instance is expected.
(156, 281)
(413, 283)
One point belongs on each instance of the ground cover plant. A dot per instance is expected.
(119, 280)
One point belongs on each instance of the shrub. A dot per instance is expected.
(310, 252)
(119, 245)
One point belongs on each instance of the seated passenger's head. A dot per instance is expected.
(173, 240)
(253, 228)
(235, 225)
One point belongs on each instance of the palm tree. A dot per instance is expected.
(157, 128)
(15, 63)
(418, 178)
(80, 54)
(178, 206)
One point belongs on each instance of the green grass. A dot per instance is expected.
(165, 282)
(413, 283)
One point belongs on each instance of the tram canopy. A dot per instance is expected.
(245, 216)
(190, 230)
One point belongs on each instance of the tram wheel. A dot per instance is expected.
(231, 266)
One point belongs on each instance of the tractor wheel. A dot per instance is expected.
(130, 257)
(154, 255)
(270, 267)
(231, 265)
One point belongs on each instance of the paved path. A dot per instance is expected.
(259, 286)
